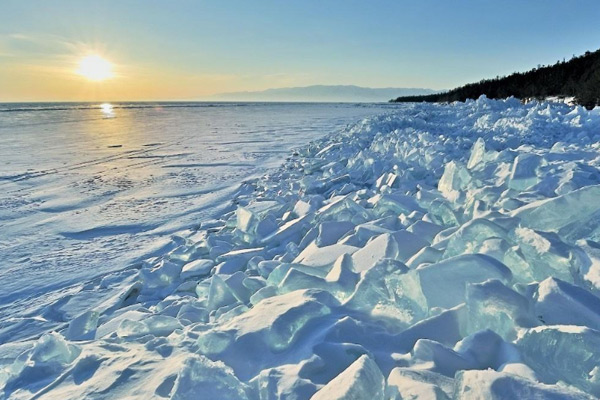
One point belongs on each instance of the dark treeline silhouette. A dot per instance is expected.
(578, 78)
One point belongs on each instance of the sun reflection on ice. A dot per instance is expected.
(107, 110)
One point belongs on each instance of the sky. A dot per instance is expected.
(186, 50)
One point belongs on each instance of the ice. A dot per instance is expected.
(477, 156)
(418, 384)
(272, 325)
(196, 268)
(425, 230)
(546, 254)
(362, 379)
(563, 353)
(83, 327)
(524, 171)
(295, 279)
(275, 383)
(590, 271)
(254, 220)
(495, 306)
(330, 232)
(486, 349)
(453, 181)
(562, 213)
(323, 257)
(400, 245)
(444, 283)
(220, 294)
(439, 358)
(52, 348)
(450, 248)
(394, 203)
(163, 273)
(445, 328)
(427, 255)
(155, 325)
(490, 384)
(342, 273)
(560, 303)
(381, 293)
(200, 376)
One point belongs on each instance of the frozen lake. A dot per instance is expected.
(436, 251)
(86, 189)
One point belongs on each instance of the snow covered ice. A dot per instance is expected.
(436, 251)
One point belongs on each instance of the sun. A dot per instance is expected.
(95, 68)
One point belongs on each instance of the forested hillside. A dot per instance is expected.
(578, 78)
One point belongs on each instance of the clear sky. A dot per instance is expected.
(189, 49)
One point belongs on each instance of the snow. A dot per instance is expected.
(86, 192)
(436, 251)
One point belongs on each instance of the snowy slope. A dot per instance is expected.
(437, 252)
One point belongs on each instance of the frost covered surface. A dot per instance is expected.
(437, 252)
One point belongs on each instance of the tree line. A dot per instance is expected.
(579, 78)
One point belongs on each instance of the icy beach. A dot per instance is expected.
(431, 252)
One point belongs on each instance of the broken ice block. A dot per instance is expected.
(469, 236)
(161, 274)
(361, 380)
(295, 279)
(331, 231)
(491, 305)
(442, 214)
(427, 255)
(343, 273)
(477, 154)
(196, 268)
(323, 257)
(486, 349)
(220, 294)
(394, 203)
(560, 303)
(563, 353)
(439, 358)
(274, 324)
(399, 245)
(444, 283)
(490, 384)
(345, 209)
(283, 382)
(563, 213)
(257, 219)
(203, 378)
(419, 385)
(425, 230)
(155, 325)
(454, 180)
(53, 348)
(83, 327)
(546, 254)
(524, 171)
(388, 293)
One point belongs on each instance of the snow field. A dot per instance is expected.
(442, 251)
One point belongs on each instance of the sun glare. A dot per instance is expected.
(95, 68)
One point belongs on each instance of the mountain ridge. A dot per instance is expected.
(333, 93)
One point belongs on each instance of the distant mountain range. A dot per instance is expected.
(323, 93)
(578, 78)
